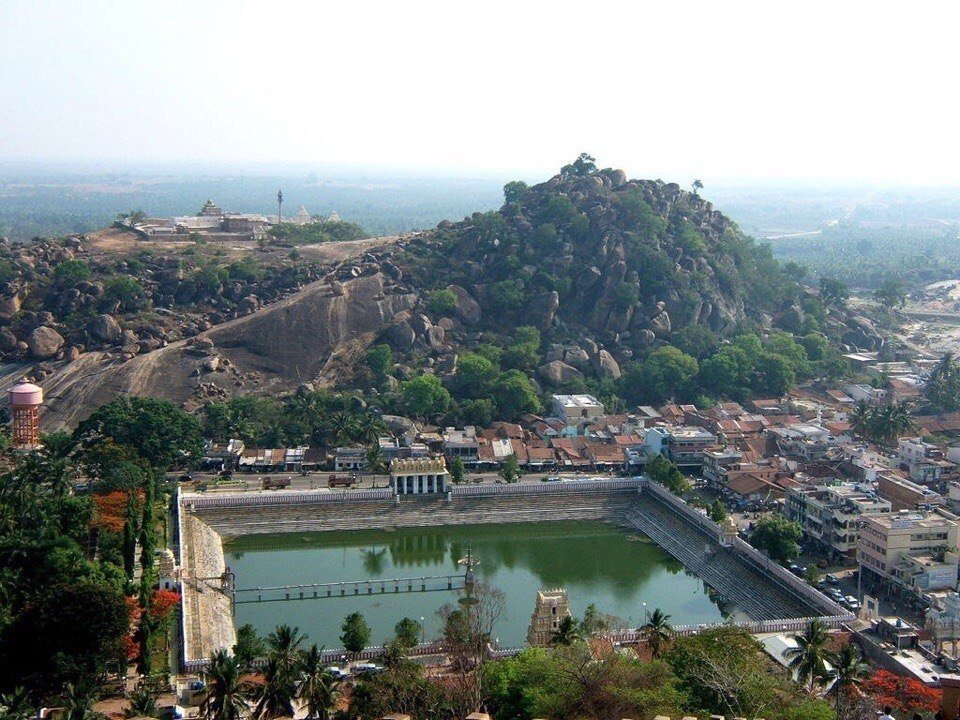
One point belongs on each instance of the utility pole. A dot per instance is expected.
(279, 206)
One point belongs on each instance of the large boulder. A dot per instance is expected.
(44, 343)
(558, 372)
(400, 335)
(105, 328)
(541, 309)
(467, 309)
(577, 357)
(605, 366)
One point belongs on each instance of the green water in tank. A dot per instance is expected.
(624, 574)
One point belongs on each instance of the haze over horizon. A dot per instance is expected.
(851, 93)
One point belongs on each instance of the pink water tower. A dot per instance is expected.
(25, 401)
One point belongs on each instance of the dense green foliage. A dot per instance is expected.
(318, 231)
(777, 536)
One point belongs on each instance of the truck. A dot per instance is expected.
(342, 480)
(275, 483)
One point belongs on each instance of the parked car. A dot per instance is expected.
(367, 669)
(337, 672)
(832, 579)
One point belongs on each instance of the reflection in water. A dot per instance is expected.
(617, 570)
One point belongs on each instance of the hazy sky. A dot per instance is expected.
(773, 89)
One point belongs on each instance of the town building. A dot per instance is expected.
(905, 494)
(418, 476)
(551, 607)
(831, 514)
(350, 458)
(576, 410)
(806, 441)
(463, 444)
(916, 550)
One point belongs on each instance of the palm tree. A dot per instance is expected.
(284, 644)
(16, 705)
(657, 632)
(226, 695)
(567, 632)
(376, 463)
(848, 672)
(810, 655)
(275, 697)
(318, 688)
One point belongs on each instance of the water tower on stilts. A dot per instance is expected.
(25, 401)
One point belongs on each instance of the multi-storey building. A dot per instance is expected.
(831, 514)
(916, 550)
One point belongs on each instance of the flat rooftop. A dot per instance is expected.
(574, 401)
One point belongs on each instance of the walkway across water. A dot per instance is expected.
(320, 590)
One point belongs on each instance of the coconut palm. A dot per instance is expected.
(848, 672)
(274, 698)
(567, 632)
(376, 463)
(318, 689)
(283, 645)
(657, 632)
(226, 695)
(809, 657)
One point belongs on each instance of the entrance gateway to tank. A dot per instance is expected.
(769, 596)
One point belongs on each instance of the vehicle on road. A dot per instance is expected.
(367, 669)
(275, 483)
(342, 480)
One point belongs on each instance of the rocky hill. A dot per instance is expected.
(570, 282)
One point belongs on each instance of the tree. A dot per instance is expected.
(848, 673)
(249, 646)
(514, 395)
(510, 469)
(717, 511)
(424, 396)
(657, 632)
(274, 697)
(123, 293)
(514, 191)
(663, 471)
(890, 293)
(474, 375)
(155, 430)
(662, 375)
(942, 389)
(582, 166)
(697, 341)
(697, 187)
(456, 471)
(379, 359)
(376, 463)
(68, 633)
(442, 302)
(833, 291)
(778, 536)
(408, 632)
(567, 633)
(809, 657)
(318, 689)
(283, 645)
(226, 693)
(905, 695)
(70, 273)
(355, 633)
(881, 423)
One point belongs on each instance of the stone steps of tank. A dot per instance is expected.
(416, 512)
(723, 569)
